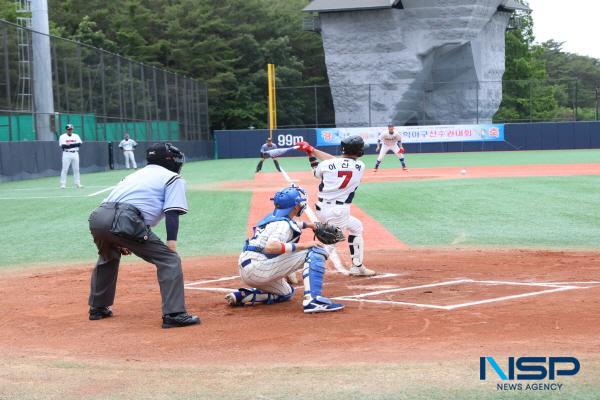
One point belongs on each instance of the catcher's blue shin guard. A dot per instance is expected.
(314, 269)
(244, 296)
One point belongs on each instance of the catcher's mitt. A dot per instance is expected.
(328, 234)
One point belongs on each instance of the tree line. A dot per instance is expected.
(227, 44)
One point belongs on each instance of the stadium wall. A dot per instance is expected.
(27, 160)
(528, 136)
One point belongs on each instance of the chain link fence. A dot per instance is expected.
(521, 101)
(102, 94)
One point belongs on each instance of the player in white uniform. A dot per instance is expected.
(340, 178)
(127, 145)
(274, 252)
(390, 140)
(70, 142)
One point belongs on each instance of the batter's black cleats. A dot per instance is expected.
(179, 319)
(97, 313)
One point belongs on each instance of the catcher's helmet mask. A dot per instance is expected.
(166, 155)
(287, 199)
(353, 146)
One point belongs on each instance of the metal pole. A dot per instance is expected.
(120, 87)
(103, 85)
(56, 75)
(596, 103)
(156, 108)
(81, 99)
(6, 70)
(133, 108)
(66, 76)
(43, 100)
(185, 109)
(145, 102)
(167, 105)
(177, 102)
(316, 107)
(205, 109)
(530, 101)
(576, 99)
(477, 96)
(369, 104)
(193, 109)
(198, 114)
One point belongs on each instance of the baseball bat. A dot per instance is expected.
(279, 152)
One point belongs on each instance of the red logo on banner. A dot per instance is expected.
(327, 135)
(494, 132)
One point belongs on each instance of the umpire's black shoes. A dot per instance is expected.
(99, 313)
(179, 319)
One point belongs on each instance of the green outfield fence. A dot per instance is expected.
(22, 128)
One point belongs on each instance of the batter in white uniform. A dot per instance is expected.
(70, 142)
(390, 140)
(340, 178)
(274, 252)
(127, 145)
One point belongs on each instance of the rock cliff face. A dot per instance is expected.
(433, 62)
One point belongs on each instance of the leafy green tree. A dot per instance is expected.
(527, 94)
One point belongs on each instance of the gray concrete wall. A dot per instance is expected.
(435, 61)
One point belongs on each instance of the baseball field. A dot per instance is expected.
(499, 260)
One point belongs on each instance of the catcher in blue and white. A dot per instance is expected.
(273, 253)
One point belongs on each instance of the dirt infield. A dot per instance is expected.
(50, 320)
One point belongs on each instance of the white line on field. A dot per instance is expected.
(101, 191)
(575, 283)
(555, 287)
(51, 188)
(226, 278)
(410, 288)
(516, 296)
(335, 259)
(392, 302)
(211, 289)
(41, 197)
(543, 284)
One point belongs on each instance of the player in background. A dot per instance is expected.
(390, 140)
(128, 145)
(264, 154)
(70, 143)
(340, 178)
(274, 252)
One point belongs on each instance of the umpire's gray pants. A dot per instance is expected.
(154, 251)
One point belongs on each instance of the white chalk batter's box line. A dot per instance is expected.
(552, 287)
(198, 285)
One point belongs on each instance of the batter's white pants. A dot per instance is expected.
(384, 149)
(269, 275)
(69, 159)
(129, 157)
(339, 215)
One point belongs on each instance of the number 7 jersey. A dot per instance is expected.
(340, 178)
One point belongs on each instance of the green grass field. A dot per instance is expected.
(45, 224)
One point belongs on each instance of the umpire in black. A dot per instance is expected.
(121, 226)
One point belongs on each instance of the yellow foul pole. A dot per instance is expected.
(272, 100)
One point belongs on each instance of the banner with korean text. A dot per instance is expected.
(416, 134)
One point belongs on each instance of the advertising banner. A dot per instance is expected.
(416, 134)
